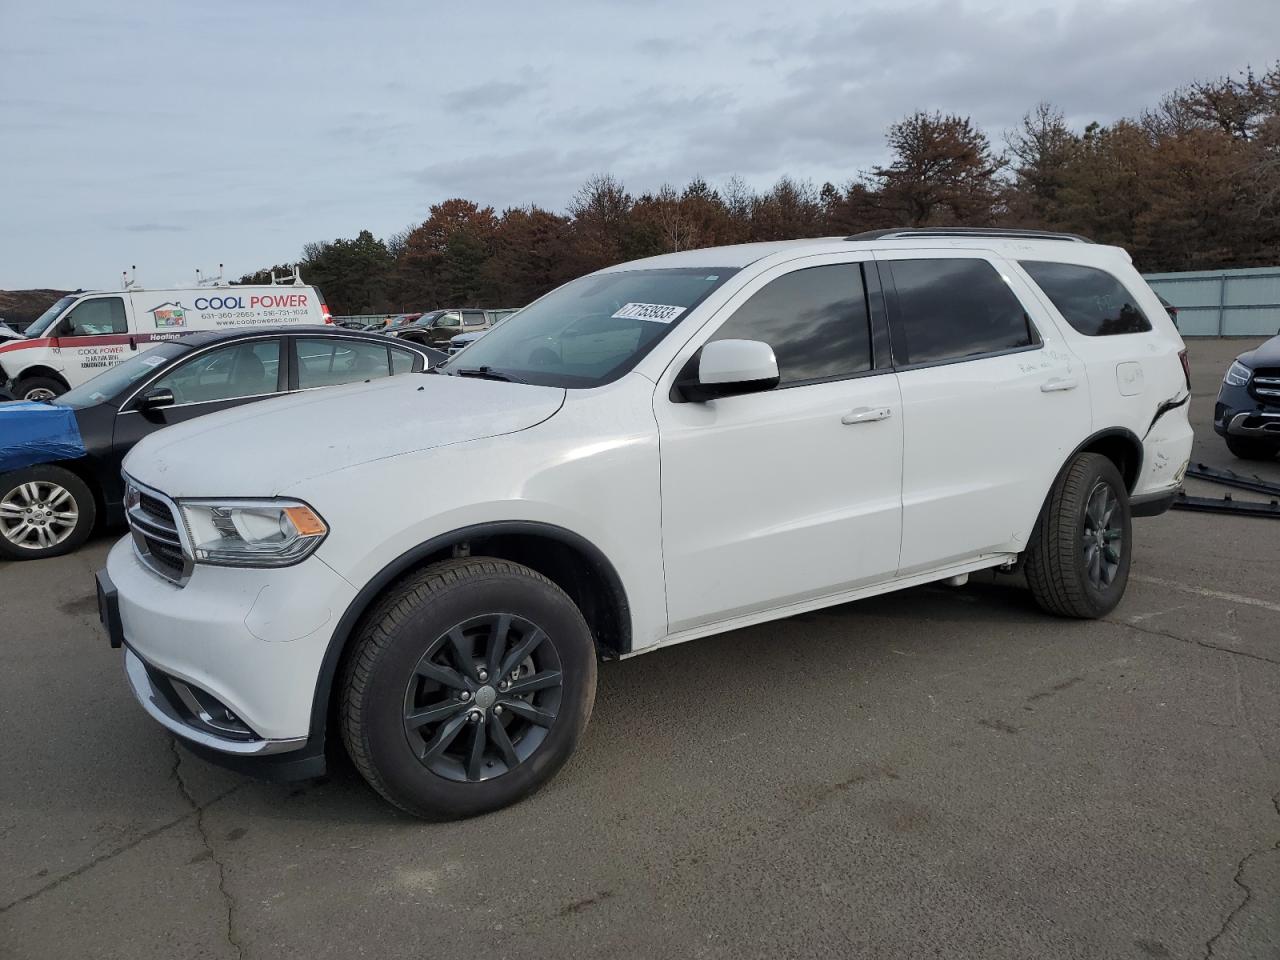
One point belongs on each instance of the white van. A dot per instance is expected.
(84, 333)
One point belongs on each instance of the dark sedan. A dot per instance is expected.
(1247, 413)
(60, 461)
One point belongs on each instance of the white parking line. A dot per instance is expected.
(1202, 592)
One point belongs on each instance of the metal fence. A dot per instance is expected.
(1223, 303)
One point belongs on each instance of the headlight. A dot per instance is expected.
(251, 533)
(1237, 374)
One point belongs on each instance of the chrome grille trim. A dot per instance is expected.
(159, 540)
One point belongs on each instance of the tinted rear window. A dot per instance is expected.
(1093, 301)
(949, 309)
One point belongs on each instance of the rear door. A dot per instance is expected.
(993, 402)
(330, 361)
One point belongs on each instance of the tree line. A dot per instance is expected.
(1192, 183)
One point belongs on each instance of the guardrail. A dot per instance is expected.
(1223, 303)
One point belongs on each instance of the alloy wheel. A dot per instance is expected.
(38, 394)
(38, 514)
(1103, 535)
(482, 697)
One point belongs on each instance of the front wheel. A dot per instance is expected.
(45, 511)
(1077, 561)
(39, 388)
(469, 686)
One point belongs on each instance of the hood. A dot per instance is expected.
(32, 433)
(1265, 355)
(263, 448)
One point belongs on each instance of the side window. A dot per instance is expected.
(401, 361)
(473, 318)
(815, 319)
(96, 317)
(949, 309)
(237, 370)
(330, 361)
(1093, 301)
(449, 320)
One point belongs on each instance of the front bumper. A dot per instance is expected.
(1238, 413)
(242, 643)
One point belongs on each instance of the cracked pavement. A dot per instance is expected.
(942, 772)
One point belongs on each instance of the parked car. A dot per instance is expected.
(657, 452)
(399, 321)
(87, 332)
(60, 461)
(1247, 413)
(1170, 309)
(7, 332)
(436, 328)
(456, 344)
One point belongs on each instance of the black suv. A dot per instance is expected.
(1247, 413)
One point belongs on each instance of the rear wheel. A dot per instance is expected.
(44, 512)
(1247, 448)
(1077, 561)
(39, 388)
(469, 686)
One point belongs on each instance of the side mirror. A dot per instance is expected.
(727, 368)
(155, 398)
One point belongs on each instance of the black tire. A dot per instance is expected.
(25, 530)
(384, 688)
(1069, 564)
(1247, 448)
(43, 388)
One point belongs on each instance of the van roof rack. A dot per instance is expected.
(909, 233)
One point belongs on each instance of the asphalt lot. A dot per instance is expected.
(943, 772)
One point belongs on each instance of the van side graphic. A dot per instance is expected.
(169, 315)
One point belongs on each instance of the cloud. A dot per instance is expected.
(484, 96)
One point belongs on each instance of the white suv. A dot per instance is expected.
(656, 452)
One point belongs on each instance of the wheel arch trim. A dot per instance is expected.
(340, 639)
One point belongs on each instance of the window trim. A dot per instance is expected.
(128, 330)
(281, 388)
(897, 335)
(877, 328)
(295, 363)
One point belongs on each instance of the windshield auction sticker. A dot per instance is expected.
(657, 312)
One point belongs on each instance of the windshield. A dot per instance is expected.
(42, 322)
(593, 330)
(109, 384)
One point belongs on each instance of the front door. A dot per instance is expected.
(93, 337)
(993, 403)
(216, 379)
(794, 493)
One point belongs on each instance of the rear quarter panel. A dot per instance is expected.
(1130, 375)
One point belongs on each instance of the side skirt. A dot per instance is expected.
(830, 600)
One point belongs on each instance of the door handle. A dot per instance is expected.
(866, 415)
(1058, 384)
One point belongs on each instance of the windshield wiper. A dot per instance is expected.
(486, 373)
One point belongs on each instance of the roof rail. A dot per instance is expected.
(909, 233)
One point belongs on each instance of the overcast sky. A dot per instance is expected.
(177, 135)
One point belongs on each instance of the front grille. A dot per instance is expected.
(153, 521)
(1265, 385)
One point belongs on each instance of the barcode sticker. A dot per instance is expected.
(657, 312)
